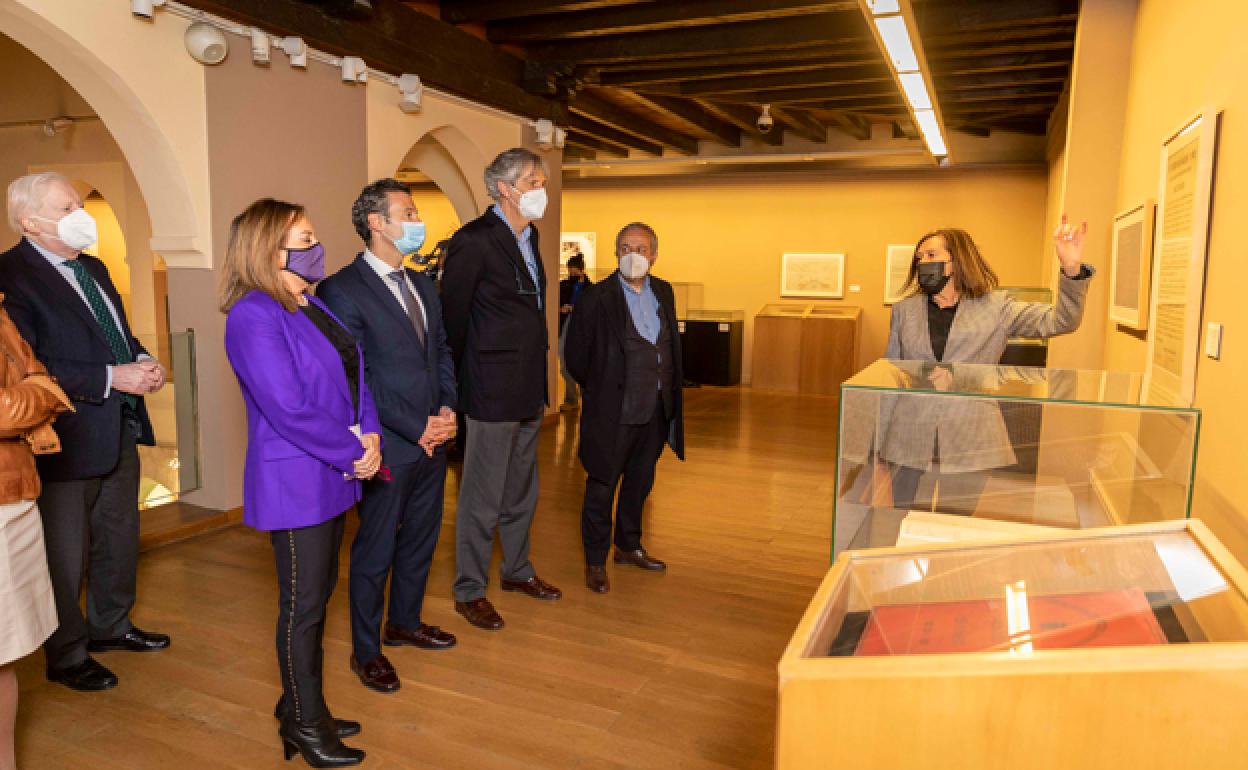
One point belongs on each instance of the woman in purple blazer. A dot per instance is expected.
(312, 436)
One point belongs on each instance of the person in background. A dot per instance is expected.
(624, 349)
(312, 437)
(29, 401)
(396, 317)
(493, 286)
(955, 315)
(65, 305)
(570, 289)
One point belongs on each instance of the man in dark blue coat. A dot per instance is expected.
(396, 317)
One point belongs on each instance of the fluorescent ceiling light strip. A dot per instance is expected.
(931, 131)
(897, 40)
(884, 6)
(916, 90)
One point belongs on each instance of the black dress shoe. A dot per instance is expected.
(534, 586)
(377, 674)
(426, 637)
(134, 640)
(596, 579)
(480, 613)
(345, 727)
(638, 558)
(87, 676)
(318, 743)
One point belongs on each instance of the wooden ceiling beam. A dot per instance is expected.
(997, 36)
(589, 106)
(1009, 80)
(847, 55)
(732, 68)
(855, 125)
(933, 17)
(653, 17)
(464, 11)
(744, 118)
(865, 74)
(596, 130)
(579, 139)
(695, 115)
(826, 31)
(447, 58)
(831, 95)
(801, 124)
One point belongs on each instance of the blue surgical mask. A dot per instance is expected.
(412, 239)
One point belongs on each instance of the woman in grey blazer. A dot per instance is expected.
(956, 315)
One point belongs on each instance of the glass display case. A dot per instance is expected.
(688, 297)
(1055, 447)
(1093, 649)
(711, 343)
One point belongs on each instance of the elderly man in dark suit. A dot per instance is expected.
(66, 307)
(624, 349)
(493, 286)
(396, 317)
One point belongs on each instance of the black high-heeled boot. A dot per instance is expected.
(318, 743)
(346, 727)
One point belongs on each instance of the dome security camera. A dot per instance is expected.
(765, 121)
(206, 44)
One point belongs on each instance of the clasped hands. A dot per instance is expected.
(440, 429)
(367, 466)
(139, 378)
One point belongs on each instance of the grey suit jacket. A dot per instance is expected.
(967, 434)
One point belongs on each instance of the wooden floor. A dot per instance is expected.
(675, 670)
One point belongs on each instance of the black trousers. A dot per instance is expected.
(307, 570)
(399, 524)
(91, 531)
(959, 492)
(637, 450)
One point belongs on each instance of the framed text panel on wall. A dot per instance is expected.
(1185, 196)
(1132, 265)
(896, 271)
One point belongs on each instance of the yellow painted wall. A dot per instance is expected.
(438, 214)
(1181, 61)
(729, 234)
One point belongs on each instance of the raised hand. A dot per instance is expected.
(1068, 241)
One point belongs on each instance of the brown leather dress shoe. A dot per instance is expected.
(377, 674)
(535, 587)
(427, 637)
(596, 579)
(480, 613)
(638, 558)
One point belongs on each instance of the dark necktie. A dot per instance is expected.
(95, 300)
(409, 305)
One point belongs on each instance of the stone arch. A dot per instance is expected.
(147, 150)
(445, 154)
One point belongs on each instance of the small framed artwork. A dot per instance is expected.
(819, 276)
(896, 271)
(1132, 266)
(584, 244)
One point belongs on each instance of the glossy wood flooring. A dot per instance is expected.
(675, 670)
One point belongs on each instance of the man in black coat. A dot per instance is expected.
(66, 307)
(570, 289)
(624, 349)
(395, 315)
(493, 287)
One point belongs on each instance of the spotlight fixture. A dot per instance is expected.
(296, 49)
(261, 46)
(54, 126)
(765, 121)
(412, 90)
(545, 133)
(205, 43)
(145, 8)
(354, 70)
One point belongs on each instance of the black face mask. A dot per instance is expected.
(932, 276)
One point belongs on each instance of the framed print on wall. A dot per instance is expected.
(896, 271)
(819, 276)
(1132, 266)
(571, 243)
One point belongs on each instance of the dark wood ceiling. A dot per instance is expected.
(662, 75)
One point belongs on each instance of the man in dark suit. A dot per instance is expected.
(66, 307)
(493, 287)
(624, 349)
(570, 289)
(396, 317)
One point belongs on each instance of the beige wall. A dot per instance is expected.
(1182, 61)
(440, 218)
(729, 234)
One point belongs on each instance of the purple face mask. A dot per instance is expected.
(308, 264)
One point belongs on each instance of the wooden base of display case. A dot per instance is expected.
(1149, 704)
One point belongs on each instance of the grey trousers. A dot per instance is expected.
(498, 491)
(91, 529)
(570, 389)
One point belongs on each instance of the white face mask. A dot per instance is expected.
(76, 229)
(532, 204)
(634, 266)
